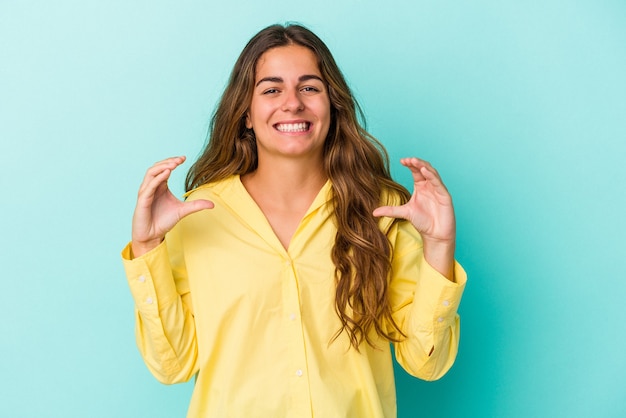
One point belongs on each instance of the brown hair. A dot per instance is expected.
(354, 161)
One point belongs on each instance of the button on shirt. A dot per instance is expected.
(223, 300)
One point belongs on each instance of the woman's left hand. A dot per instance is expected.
(430, 208)
(431, 212)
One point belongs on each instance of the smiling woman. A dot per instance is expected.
(283, 297)
(290, 109)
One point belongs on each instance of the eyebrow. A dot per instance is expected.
(302, 78)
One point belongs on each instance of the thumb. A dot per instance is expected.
(194, 206)
(391, 212)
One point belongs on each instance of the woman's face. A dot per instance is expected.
(290, 107)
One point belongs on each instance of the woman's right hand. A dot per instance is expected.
(158, 210)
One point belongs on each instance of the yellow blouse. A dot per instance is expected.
(221, 299)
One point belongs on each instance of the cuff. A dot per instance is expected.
(149, 294)
(436, 298)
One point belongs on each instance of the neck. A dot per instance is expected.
(284, 179)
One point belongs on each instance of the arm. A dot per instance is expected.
(424, 305)
(427, 283)
(164, 324)
(165, 329)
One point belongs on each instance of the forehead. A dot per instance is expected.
(284, 60)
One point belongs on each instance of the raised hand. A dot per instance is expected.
(431, 212)
(158, 210)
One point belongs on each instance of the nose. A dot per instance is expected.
(293, 102)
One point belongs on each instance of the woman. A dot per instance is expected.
(295, 259)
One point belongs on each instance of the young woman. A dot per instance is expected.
(295, 260)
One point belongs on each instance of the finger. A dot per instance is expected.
(415, 165)
(432, 176)
(150, 187)
(392, 212)
(159, 168)
(423, 170)
(414, 162)
(194, 206)
(178, 159)
(167, 164)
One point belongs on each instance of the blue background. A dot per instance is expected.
(520, 105)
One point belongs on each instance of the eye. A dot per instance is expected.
(271, 91)
(310, 89)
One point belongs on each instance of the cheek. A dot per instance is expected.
(321, 108)
(259, 113)
(327, 106)
(327, 113)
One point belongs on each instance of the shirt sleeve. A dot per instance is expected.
(164, 323)
(424, 305)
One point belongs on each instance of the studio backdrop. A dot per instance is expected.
(519, 104)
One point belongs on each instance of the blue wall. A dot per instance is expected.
(520, 105)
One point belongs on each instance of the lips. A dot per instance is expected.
(293, 127)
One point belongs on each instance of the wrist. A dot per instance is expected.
(139, 248)
(440, 255)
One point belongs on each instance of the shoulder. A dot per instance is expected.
(391, 197)
(211, 190)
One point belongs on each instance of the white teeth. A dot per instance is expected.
(293, 127)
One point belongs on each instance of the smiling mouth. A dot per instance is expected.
(293, 127)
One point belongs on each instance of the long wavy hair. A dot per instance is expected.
(354, 161)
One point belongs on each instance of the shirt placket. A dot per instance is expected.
(300, 393)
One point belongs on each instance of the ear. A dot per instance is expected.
(248, 121)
